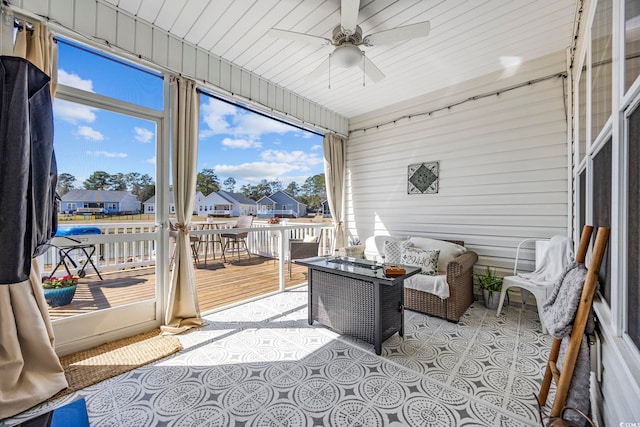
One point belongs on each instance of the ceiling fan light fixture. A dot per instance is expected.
(347, 55)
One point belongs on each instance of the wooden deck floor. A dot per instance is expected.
(218, 283)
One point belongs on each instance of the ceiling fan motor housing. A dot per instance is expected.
(340, 37)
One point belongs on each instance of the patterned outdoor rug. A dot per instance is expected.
(261, 363)
(91, 366)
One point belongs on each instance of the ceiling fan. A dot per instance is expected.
(347, 39)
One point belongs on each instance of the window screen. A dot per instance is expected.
(602, 209)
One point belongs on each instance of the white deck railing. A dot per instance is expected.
(128, 245)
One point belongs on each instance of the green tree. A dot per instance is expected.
(65, 183)
(207, 182)
(293, 189)
(132, 180)
(146, 193)
(257, 191)
(263, 189)
(140, 185)
(247, 190)
(99, 180)
(117, 182)
(275, 186)
(230, 184)
(136, 181)
(314, 191)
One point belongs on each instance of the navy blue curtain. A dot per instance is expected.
(28, 172)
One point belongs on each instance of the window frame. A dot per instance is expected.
(630, 105)
(613, 313)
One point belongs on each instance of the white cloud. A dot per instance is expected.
(107, 154)
(151, 161)
(300, 158)
(73, 113)
(89, 133)
(255, 125)
(316, 147)
(69, 111)
(142, 135)
(225, 119)
(241, 143)
(214, 115)
(285, 166)
(257, 171)
(74, 80)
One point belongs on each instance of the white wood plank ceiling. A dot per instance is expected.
(468, 38)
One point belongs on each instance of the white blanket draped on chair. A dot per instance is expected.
(554, 261)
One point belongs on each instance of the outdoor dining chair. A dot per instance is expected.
(233, 241)
(299, 249)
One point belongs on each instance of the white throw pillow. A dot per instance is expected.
(426, 259)
(310, 239)
(448, 251)
(393, 251)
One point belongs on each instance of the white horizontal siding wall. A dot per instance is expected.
(620, 386)
(503, 165)
(140, 41)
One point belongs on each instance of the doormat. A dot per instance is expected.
(105, 361)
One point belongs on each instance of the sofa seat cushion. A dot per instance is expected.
(448, 250)
(436, 285)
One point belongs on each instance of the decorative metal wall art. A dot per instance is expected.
(423, 178)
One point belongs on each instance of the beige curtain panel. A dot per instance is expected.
(37, 46)
(182, 311)
(334, 174)
(30, 369)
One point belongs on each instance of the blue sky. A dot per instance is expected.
(233, 141)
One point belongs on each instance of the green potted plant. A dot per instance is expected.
(491, 286)
(59, 291)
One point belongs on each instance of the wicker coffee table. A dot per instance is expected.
(353, 297)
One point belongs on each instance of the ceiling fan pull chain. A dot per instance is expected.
(329, 71)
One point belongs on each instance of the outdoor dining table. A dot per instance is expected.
(211, 239)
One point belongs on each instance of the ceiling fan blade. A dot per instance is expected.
(349, 15)
(370, 69)
(412, 31)
(320, 70)
(300, 37)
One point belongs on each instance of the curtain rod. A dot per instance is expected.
(22, 25)
(464, 101)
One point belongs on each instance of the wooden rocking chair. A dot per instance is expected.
(563, 380)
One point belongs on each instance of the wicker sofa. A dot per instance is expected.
(458, 269)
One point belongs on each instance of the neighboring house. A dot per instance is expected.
(150, 204)
(216, 205)
(281, 204)
(241, 204)
(99, 201)
(324, 209)
(266, 207)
